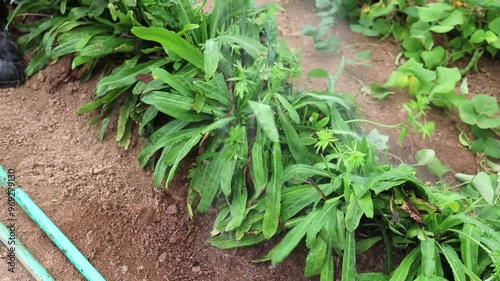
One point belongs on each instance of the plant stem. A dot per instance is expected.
(375, 123)
(473, 61)
(311, 182)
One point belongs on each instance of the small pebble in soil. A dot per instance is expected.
(197, 269)
(172, 210)
(162, 257)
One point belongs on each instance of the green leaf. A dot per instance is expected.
(126, 76)
(485, 104)
(316, 258)
(397, 79)
(428, 251)
(260, 156)
(177, 106)
(424, 156)
(468, 113)
(240, 196)
(477, 37)
(430, 13)
(327, 272)
(482, 184)
(457, 267)
(226, 241)
(291, 240)
(494, 26)
(273, 195)
(123, 118)
(365, 244)
(490, 37)
(349, 258)
(212, 57)
(364, 55)
(265, 117)
(434, 57)
(253, 47)
(469, 249)
(289, 108)
(175, 81)
(372, 276)
(456, 17)
(104, 125)
(318, 73)
(298, 149)
(172, 42)
(403, 270)
(353, 214)
(464, 87)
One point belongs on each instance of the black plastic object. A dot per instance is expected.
(11, 60)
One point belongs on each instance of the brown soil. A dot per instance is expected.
(101, 199)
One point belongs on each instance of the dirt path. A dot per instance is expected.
(98, 195)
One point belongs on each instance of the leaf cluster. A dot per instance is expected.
(216, 85)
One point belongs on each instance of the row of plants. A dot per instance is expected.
(274, 161)
(432, 36)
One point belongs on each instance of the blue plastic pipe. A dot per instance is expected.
(62, 242)
(23, 255)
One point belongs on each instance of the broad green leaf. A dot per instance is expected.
(327, 272)
(482, 184)
(403, 270)
(353, 214)
(289, 108)
(108, 98)
(430, 13)
(477, 37)
(364, 55)
(464, 87)
(318, 73)
(490, 37)
(456, 17)
(172, 42)
(303, 172)
(456, 265)
(291, 240)
(253, 47)
(296, 198)
(265, 117)
(485, 104)
(349, 258)
(212, 56)
(397, 79)
(494, 26)
(260, 157)
(316, 258)
(434, 57)
(469, 249)
(226, 241)
(104, 125)
(175, 81)
(322, 219)
(423, 156)
(441, 28)
(124, 115)
(372, 276)
(207, 181)
(273, 194)
(468, 113)
(298, 149)
(365, 244)
(428, 251)
(174, 105)
(238, 204)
